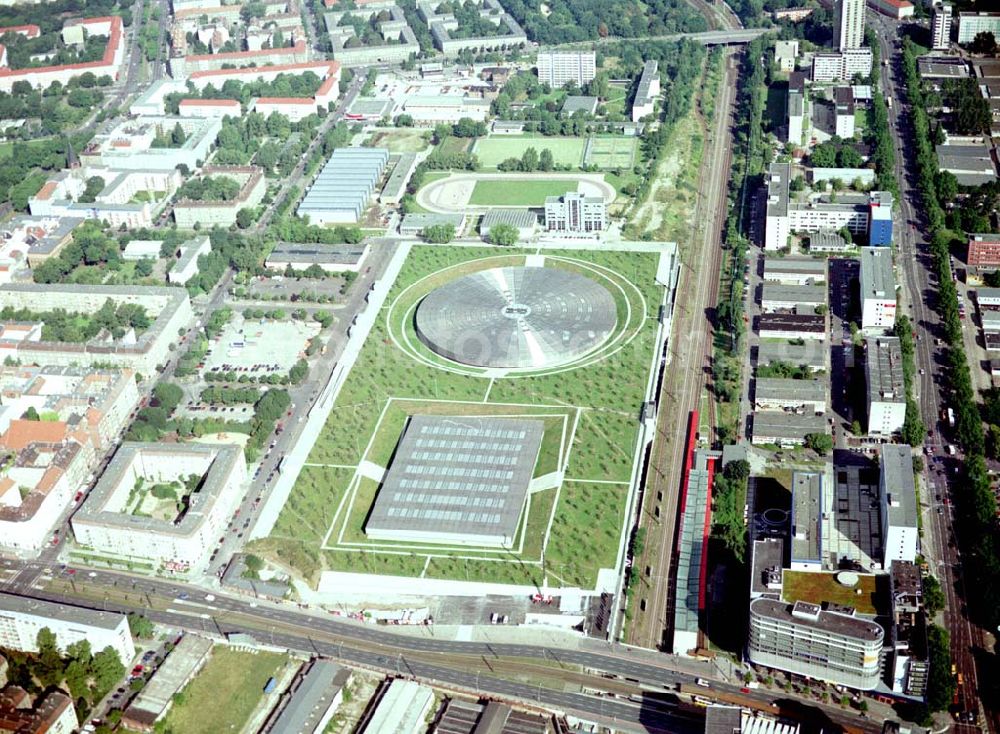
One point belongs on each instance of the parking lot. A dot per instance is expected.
(259, 348)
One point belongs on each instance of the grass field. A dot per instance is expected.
(400, 141)
(497, 148)
(523, 192)
(816, 588)
(611, 152)
(578, 524)
(223, 695)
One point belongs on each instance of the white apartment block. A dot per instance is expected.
(648, 90)
(556, 68)
(886, 389)
(848, 24)
(107, 523)
(941, 26)
(878, 289)
(22, 618)
(897, 493)
(841, 65)
(575, 213)
(785, 53)
(972, 24)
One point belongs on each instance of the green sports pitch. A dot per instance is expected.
(610, 152)
(494, 150)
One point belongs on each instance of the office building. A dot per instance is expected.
(796, 107)
(898, 496)
(971, 24)
(342, 191)
(848, 24)
(869, 214)
(785, 53)
(843, 102)
(557, 68)
(574, 212)
(647, 92)
(941, 26)
(117, 520)
(878, 289)
(22, 618)
(805, 639)
(886, 390)
(842, 65)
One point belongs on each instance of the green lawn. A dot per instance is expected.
(223, 695)
(390, 382)
(612, 152)
(496, 149)
(518, 192)
(816, 588)
(400, 141)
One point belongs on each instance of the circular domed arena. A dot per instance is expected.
(516, 318)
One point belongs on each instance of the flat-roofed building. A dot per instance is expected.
(786, 429)
(878, 289)
(181, 664)
(142, 250)
(766, 564)
(810, 354)
(970, 161)
(557, 68)
(22, 618)
(795, 270)
(829, 242)
(692, 547)
(941, 26)
(796, 107)
(984, 252)
(647, 92)
(804, 639)
(792, 326)
(402, 709)
(524, 221)
(579, 103)
(195, 107)
(425, 497)
(345, 186)
(332, 258)
(783, 393)
(898, 496)
(895, 9)
(843, 110)
(785, 53)
(806, 521)
(185, 266)
(842, 65)
(311, 701)
(207, 479)
(461, 716)
(189, 213)
(779, 297)
(404, 164)
(972, 23)
(414, 225)
(886, 389)
(942, 67)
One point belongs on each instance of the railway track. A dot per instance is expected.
(686, 378)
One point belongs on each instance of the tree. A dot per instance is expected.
(106, 670)
(529, 160)
(439, 234)
(404, 120)
(144, 267)
(984, 43)
(821, 443)
(177, 136)
(140, 626)
(797, 184)
(940, 684)
(298, 372)
(245, 218)
(933, 596)
(168, 396)
(31, 414)
(545, 160)
(94, 186)
(504, 234)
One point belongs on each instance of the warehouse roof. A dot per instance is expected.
(779, 424)
(312, 698)
(804, 294)
(784, 388)
(346, 181)
(811, 354)
(520, 218)
(807, 512)
(319, 254)
(779, 175)
(774, 267)
(896, 463)
(62, 612)
(792, 322)
(576, 103)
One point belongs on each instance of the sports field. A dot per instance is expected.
(610, 152)
(522, 192)
(494, 150)
(575, 515)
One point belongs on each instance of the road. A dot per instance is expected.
(920, 283)
(686, 375)
(471, 666)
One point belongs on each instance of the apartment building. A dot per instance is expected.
(878, 289)
(886, 389)
(557, 68)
